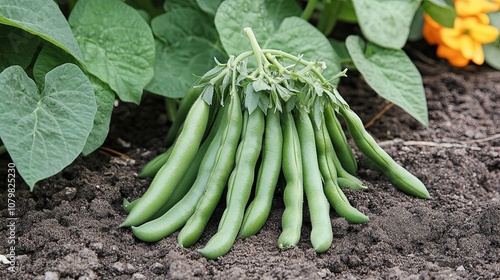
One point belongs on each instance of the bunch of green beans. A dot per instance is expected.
(239, 129)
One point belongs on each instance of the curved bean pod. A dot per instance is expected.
(267, 178)
(189, 177)
(170, 174)
(333, 193)
(128, 205)
(239, 187)
(339, 140)
(344, 178)
(293, 194)
(399, 176)
(152, 167)
(191, 174)
(180, 116)
(177, 216)
(194, 227)
(319, 208)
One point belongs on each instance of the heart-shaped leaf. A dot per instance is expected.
(264, 17)
(44, 132)
(48, 59)
(185, 49)
(391, 74)
(386, 22)
(17, 48)
(275, 25)
(42, 18)
(105, 99)
(118, 46)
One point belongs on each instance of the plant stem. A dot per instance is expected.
(309, 9)
(71, 4)
(275, 62)
(329, 16)
(255, 47)
(260, 53)
(296, 59)
(170, 106)
(3, 150)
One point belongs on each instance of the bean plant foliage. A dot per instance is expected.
(64, 64)
(127, 48)
(253, 88)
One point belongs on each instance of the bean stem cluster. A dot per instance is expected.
(260, 115)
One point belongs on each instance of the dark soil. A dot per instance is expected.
(67, 228)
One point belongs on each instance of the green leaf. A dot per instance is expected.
(105, 99)
(118, 46)
(18, 47)
(296, 36)
(347, 12)
(417, 24)
(251, 98)
(171, 5)
(209, 6)
(44, 132)
(386, 22)
(492, 50)
(440, 11)
(178, 67)
(274, 26)
(172, 27)
(42, 18)
(342, 53)
(49, 58)
(185, 50)
(264, 17)
(391, 74)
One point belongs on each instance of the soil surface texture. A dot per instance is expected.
(68, 227)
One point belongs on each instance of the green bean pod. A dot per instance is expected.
(239, 186)
(319, 207)
(267, 178)
(345, 183)
(333, 193)
(339, 140)
(187, 180)
(167, 178)
(178, 215)
(152, 167)
(180, 116)
(344, 178)
(128, 205)
(399, 176)
(190, 176)
(194, 227)
(293, 193)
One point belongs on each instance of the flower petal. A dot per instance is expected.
(473, 7)
(431, 35)
(454, 57)
(451, 38)
(466, 46)
(478, 56)
(484, 34)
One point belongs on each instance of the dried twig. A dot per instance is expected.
(459, 144)
(379, 114)
(113, 152)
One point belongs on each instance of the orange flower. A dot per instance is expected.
(454, 57)
(473, 7)
(430, 30)
(468, 35)
(464, 41)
